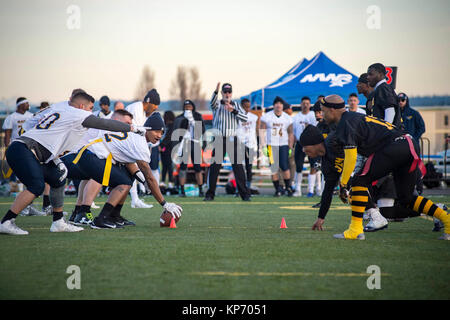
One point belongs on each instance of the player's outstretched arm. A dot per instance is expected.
(106, 124)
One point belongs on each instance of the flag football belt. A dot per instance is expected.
(270, 152)
(416, 162)
(108, 165)
(9, 172)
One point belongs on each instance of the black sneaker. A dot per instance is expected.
(103, 223)
(72, 216)
(124, 222)
(317, 205)
(288, 192)
(208, 198)
(83, 218)
(182, 194)
(201, 193)
(247, 199)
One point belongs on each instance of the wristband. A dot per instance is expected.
(163, 203)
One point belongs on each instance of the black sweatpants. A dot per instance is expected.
(238, 168)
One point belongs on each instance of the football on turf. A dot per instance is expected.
(166, 217)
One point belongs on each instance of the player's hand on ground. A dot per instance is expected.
(343, 194)
(174, 209)
(318, 225)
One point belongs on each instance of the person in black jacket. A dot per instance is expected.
(166, 148)
(412, 120)
(191, 144)
(384, 99)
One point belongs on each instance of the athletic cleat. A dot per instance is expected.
(103, 223)
(288, 192)
(374, 226)
(83, 218)
(124, 222)
(140, 204)
(445, 236)
(182, 195)
(310, 195)
(360, 236)
(35, 212)
(438, 225)
(376, 220)
(94, 206)
(297, 193)
(25, 212)
(9, 227)
(317, 205)
(277, 193)
(72, 217)
(48, 210)
(208, 198)
(62, 226)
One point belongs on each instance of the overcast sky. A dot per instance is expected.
(247, 43)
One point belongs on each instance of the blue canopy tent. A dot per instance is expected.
(311, 78)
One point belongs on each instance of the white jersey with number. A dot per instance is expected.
(137, 110)
(14, 122)
(59, 128)
(276, 127)
(88, 136)
(247, 131)
(300, 121)
(125, 147)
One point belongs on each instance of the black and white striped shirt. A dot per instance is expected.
(225, 121)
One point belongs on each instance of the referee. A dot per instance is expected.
(226, 117)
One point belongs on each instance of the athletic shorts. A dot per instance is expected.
(94, 167)
(280, 155)
(74, 171)
(30, 171)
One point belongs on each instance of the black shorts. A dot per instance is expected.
(30, 171)
(280, 155)
(74, 171)
(94, 167)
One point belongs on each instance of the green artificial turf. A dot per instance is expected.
(225, 249)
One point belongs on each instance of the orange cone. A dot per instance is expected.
(283, 224)
(172, 223)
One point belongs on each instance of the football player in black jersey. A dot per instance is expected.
(388, 151)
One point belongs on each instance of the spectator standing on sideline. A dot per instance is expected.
(191, 144)
(353, 102)
(300, 121)
(248, 133)
(105, 112)
(166, 149)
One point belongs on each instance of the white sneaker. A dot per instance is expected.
(48, 210)
(62, 226)
(140, 204)
(9, 227)
(297, 193)
(376, 222)
(32, 211)
(94, 206)
(25, 212)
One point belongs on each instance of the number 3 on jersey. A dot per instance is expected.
(48, 121)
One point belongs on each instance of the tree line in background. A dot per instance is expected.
(185, 85)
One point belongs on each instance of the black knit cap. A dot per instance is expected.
(311, 136)
(154, 122)
(152, 97)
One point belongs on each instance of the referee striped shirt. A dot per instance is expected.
(225, 121)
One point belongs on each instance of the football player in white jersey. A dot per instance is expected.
(300, 121)
(13, 123)
(140, 111)
(34, 156)
(247, 131)
(277, 140)
(126, 149)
